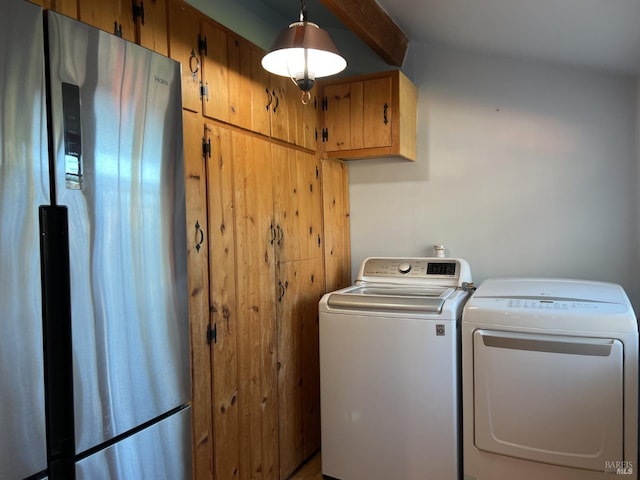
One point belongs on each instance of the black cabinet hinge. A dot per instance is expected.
(325, 103)
(212, 334)
(206, 148)
(325, 135)
(204, 91)
(138, 11)
(117, 29)
(202, 44)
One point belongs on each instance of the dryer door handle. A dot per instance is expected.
(595, 347)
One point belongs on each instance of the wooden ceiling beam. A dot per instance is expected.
(373, 26)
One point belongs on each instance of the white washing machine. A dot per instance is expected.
(550, 381)
(389, 371)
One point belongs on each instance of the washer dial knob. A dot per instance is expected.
(404, 267)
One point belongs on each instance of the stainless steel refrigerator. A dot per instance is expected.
(94, 332)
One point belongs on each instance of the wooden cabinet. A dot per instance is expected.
(256, 335)
(266, 257)
(66, 7)
(198, 242)
(240, 92)
(143, 22)
(307, 123)
(224, 80)
(151, 26)
(115, 16)
(184, 29)
(292, 120)
(297, 204)
(225, 320)
(226, 75)
(300, 284)
(336, 228)
(369, 116)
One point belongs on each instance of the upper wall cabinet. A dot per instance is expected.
(238, 91)
(151, 25)
(222, 78)
(184, 46)
(66, 7)
(115, 16)
(369, 116)
(143, 22)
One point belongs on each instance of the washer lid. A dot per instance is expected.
(391, 297)
(552, 289)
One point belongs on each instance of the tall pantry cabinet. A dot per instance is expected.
(268, 234)
(267, 205)
(264, 190)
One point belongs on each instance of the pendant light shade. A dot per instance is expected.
(303, 52)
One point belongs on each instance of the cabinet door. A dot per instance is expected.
(307, 121)
(215, 76)
(240, 59)
(337, 117)
(115, 16)
(152, 25)
(224, 314)
(261, 96)
(297, 204)
(291, 103)
(184, 28)
(369, 116)
(66, 7)
(376, 113)
(256, 339)
(279, 107)
(336, 225)
(198, 264)
(300, 288)
(525, 407)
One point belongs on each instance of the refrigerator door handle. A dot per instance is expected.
(56, 318)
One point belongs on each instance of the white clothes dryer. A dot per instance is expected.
(389, 371)
(550, 381)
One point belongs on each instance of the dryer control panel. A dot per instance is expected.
(546, 304)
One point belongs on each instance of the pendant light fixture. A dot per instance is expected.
(303, 52)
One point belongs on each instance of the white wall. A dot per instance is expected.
(523, 169)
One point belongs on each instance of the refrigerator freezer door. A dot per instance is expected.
(24, 184)
(119, 171)
(159, 444)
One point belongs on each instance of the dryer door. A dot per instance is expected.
(547, 398)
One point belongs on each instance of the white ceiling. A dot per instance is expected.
(603, 34)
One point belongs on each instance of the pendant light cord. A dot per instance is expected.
(303, 18)
(303, 11)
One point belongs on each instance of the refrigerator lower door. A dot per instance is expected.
(165, 447)
(116, 115)
(24, 185)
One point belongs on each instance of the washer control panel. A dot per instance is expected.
(423, 269)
